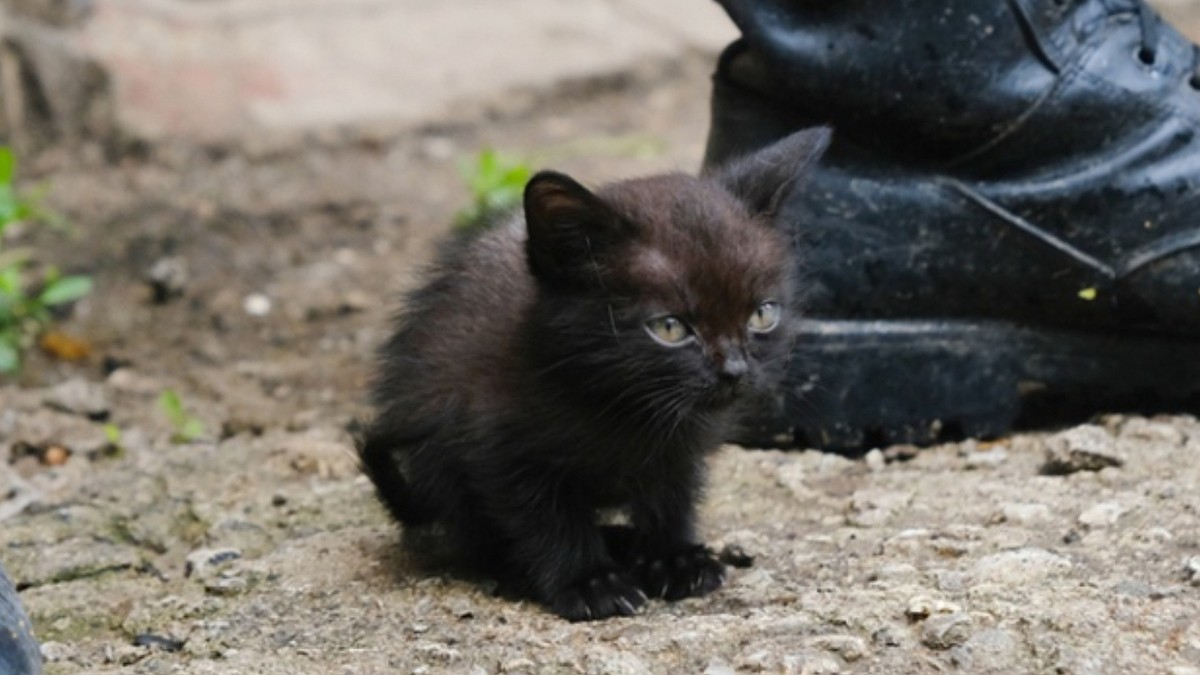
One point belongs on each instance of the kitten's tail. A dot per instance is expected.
(377, 457)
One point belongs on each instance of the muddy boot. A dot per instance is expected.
(1006, 228)
(18, 651)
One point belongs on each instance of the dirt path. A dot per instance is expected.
(259, 549)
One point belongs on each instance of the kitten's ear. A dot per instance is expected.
(570, 228)
(764, 178)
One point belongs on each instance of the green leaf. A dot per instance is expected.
(112, 433)
(8, 164)
(187, 428)
(10, 206)
(10, 279)
(66, 289)
(191, 430)
(10, 358)
(496, 183)
(172, 407)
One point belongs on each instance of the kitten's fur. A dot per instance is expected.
(523, 391)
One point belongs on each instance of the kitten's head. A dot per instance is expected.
(670, 294)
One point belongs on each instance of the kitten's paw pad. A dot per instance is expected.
(599, 597)
(688, 573)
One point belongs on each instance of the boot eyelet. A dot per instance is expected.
(1145, 56)
(1194, 82)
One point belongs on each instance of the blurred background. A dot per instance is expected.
(273, 168)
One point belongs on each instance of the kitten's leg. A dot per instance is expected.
(377, 448)
(557, 552)
(666, 558)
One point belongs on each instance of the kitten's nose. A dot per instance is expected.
(733, 367)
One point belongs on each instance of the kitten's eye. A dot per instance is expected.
(765, 318)
(668, 330)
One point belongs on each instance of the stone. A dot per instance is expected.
(207, 562)
(922, 606)
(56, 652)
(875, 507)
(1142, 429)
(875, 460)
(1191, 568)
(1019, 566)
(718, 667)
(1104, 514)
(256, 304)
(168, 279)
(75, 558)
(309, 454)
(1022, 513)
(79, 397)
(226, 586)
(850, 647)
(129, 381)
(986, 459)
(16, 494)
(793, 476)
(943, 631)
(992, 650)
(1084, 448)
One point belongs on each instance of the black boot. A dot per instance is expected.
(1007, 227)
(19, 653)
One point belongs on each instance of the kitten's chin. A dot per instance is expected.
(724, 396)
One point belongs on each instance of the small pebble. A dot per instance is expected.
(989, 651)
(257, 304)
(757, 579)
(1192, 570)
(1104, 514)
(718, 667)
(1084, 448)
(79, 397)
(987, 459)
(159, 642)
(1018, 566)
(167, 278)
(1143, 429)
(1134, 588)
(516, 665)
(921, 607)
(875, 460)
(55, 652)
(735, 556)
(849, 647)
(204, 563)
(888, 636)
(55, 455)
(226, 586)
(1022, 514)
(943, 631)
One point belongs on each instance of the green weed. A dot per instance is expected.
(187, 428)
(497, 184)
(497, 181)
(25, 304)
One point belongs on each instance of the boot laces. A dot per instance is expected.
(1148, 52)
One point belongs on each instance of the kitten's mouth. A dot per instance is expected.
(725, 393)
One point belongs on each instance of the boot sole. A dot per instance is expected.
(856, 385)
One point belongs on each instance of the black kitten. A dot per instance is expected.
(584, 357)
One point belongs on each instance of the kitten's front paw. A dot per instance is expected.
(599, 596)
(689, 572)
